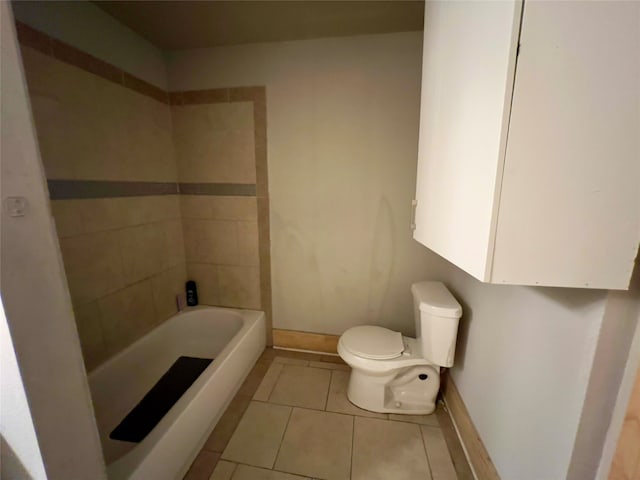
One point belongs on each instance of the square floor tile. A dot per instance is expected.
(317, 444)
(244, 472)
(384, 450)
(438, 453)
(301, 387)
(431, 420)
(258, 435)
(337, 400)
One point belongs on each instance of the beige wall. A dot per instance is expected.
(342, 146)
(124, 257)
(523, 363)
(619, 324)
(37, 304)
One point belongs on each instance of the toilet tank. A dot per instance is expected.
(437, 314)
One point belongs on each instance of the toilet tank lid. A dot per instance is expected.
(434, 298)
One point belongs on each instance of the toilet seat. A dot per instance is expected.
(376, 343)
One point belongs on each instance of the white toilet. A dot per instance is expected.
(397, 374)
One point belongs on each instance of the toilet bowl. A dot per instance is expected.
(392, 373)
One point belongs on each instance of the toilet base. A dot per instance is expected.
(412, 390)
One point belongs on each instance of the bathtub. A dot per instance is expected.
(234, 338)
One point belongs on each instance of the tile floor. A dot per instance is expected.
(291, 420)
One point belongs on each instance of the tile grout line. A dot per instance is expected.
(426, 452)
(273, 387)
(326, 399)
(284, 432)
(116, 229)
(236, 463)
(353, 441)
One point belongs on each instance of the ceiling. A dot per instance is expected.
(177, 25)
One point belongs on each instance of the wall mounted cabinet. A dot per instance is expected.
(529, 153)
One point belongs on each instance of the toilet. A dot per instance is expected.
(391, 373)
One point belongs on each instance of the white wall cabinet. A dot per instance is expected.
(529, 153)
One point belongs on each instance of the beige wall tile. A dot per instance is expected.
(141, 249)
(248, 253)
(94, 348)
(127, 314)
(215, 142)
(93, 265)
(101, 214)
(78, 216)
(149, 137)
(173, 252)
(57, 93)
(219, 157)
(210, 241)
(166, 285)
(239, 286)
(91, 128)
(139, 210)
(68, 218)
(218, 208)
(206, 278)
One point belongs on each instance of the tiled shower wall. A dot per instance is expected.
(215, 144)
(107, 143)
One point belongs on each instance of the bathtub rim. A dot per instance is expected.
(91, 375)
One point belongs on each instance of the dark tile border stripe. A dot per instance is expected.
(30, 37)
(78, 189)
(222, 189)
(64, 52)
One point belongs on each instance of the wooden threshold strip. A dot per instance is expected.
(315, 342)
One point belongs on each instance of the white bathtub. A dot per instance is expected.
(234, 338)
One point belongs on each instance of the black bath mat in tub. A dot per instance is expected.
(159, 400)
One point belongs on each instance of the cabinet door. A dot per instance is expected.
(570, 201)
(467, 80)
